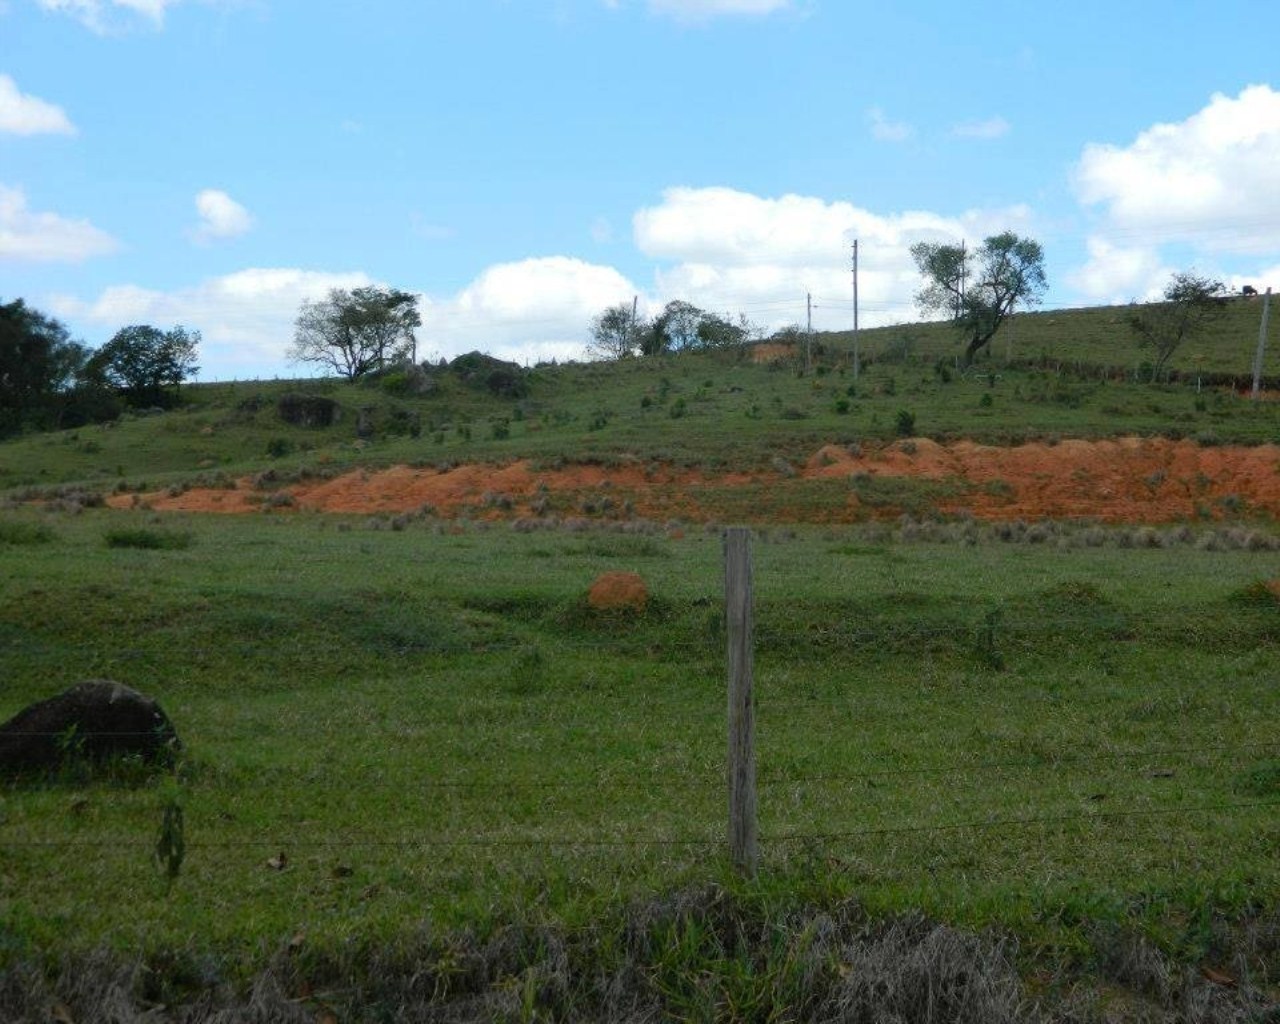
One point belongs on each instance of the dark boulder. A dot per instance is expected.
(94, 721)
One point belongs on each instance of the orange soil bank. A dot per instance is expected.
(1126, 480)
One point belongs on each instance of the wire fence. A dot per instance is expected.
(700, 774)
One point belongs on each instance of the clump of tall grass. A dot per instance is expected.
(144, 539)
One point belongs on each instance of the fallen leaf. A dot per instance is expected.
(279, 862)
(1218, 977)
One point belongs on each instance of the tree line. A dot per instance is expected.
(49, 381)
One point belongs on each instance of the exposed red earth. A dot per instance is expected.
(1129, 480)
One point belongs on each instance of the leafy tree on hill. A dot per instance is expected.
(616, 334)
(1190, 304)
(358, 331)
(39, 365)
(979, 289)
(145, 364)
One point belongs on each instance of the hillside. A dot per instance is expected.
(1063, 374)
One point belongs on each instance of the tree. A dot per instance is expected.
(1190, 304)
(355, 332)
(39, 364)
(142, 363)
(715, 332)
(979, 289)
(683, 327)
(616, 334)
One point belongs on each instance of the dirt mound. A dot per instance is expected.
(616, 591)
(1138, 480)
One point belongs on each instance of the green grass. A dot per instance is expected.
(436, 727)
(1070, 374)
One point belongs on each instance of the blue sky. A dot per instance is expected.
(524, 163)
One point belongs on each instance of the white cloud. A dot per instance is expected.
(705, 10)
(22, 114)
(1209, 180)
(991, 128)
(1266, 277)
(220, 217)
(886, 130)
(101, 15)
(1117, 274)
(530, 310)
(28, 236)
(732, 251)
(245, 318)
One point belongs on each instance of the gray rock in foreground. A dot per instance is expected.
(95, 721)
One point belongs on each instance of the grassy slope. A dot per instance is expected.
(361, 699)
(710, 410)
(357, 698)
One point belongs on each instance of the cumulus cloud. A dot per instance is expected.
(529, 310)
(102, 15)
(28, 236)
(990, 128)
(220, 217)
(887, 130)
(532, 309)
(245, 318)
(734, 251)
(704, 10)
(1209, 180)
(22, 114)
(1116, 274)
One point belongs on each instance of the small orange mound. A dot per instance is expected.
(614, 591)
(1274, 587)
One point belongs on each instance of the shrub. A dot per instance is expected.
(842, 406)
(148, 540)
(905, 423)
(14, 532)
(278, 447)
(307, 410)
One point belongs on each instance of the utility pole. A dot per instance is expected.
(808, 335)
(1262, 346)
(855, 310)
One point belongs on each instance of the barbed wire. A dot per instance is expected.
(363, 840)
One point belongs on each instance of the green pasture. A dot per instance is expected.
(1035, 734)
(715, 411)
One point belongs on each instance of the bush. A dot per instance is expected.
(12, 532)
(842, 406)
(905, 423)
(148, 540)
(278, 447)
(307, 410)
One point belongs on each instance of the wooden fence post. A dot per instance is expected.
(1262, 346)
(743, 841)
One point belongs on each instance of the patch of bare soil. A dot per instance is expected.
(1130, 480)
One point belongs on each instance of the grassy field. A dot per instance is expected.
(1027, 769)
(1073, 374)
(1054, 735)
